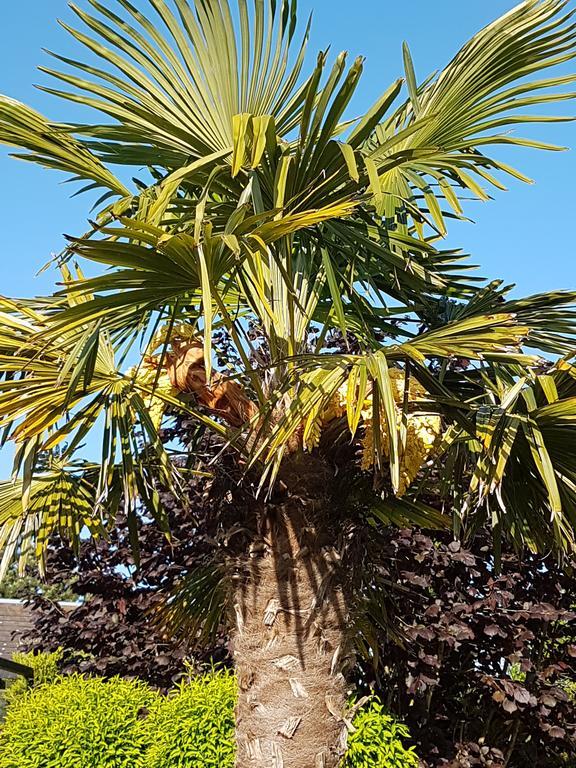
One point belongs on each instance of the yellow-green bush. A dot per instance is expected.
(45, 667)
(76, 722)
(378, 741)
(194, 725)
(79, 722)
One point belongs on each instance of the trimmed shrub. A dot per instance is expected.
(77, 722)
(194, 725)
(377, 741)
(45, 667)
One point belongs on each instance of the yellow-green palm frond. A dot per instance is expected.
(475, 103)
(59, 500)
(52, 146)
(173, 82)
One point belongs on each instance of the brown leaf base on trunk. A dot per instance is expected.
(289, 648)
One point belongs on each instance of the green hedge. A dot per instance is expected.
(194, 725)
(78, 722)
(45, 667)
(378, 741)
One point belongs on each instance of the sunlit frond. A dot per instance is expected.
(473, 104)
(60, 500)
(52, 146)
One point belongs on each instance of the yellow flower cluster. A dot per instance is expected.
(335, 409)
(337, 405)
(421, 434)
(421, 430)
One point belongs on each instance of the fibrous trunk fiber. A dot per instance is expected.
(289, 648)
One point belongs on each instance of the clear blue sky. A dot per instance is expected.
(525, 236)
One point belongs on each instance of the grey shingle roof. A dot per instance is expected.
(15, 619)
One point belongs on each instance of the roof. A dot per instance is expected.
(15, 620)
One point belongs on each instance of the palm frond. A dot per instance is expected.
(52, 146)
(176, 81)
(468, 107)
(60, 500)
(195, 611)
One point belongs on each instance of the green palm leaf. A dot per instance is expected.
(483, 91)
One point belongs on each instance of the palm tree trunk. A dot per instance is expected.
(289, 647)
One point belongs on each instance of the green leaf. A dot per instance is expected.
(410, 78)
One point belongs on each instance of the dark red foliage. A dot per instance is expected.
(111, 632)
(483, 678)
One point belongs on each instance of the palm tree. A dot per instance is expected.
(374, 378)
